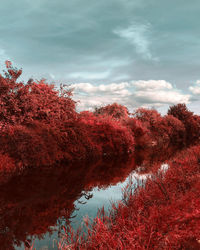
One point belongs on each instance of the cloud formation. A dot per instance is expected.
(195, 89)
(158, 92)
(132, 94)
(137, 35)
(152, 85)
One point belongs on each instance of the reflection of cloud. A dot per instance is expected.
(195, 89)
(131, 94)
(163, 168)
(136, 34)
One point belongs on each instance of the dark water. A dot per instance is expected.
(35, 205)
(101, 197)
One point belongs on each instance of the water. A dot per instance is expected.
(35, 205)
(101, 197)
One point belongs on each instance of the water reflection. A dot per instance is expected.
(41, 200)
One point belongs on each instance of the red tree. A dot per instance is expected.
(34, 101)
(190, 121)
(116, 111)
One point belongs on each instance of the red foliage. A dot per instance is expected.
(141, 133)
(109, 134)
(147, 116)
(116, 111)
(36, 121)
(175, 130)
(34, 101)
(190, 121)
(180, 111)
(167, 133)
(32, 145)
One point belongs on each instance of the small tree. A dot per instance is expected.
(190, 121)
(116, 111)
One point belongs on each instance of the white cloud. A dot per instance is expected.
(91, 96)
(83, 87)
(162, 96)
(152, 84)
(158, 92)
(119, 88)
(137, 35)
(132, 94)
(196, 88)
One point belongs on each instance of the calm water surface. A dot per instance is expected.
(35, 205)
(101, 197)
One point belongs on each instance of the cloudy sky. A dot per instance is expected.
(134, 52)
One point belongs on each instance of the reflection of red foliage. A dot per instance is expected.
(7, 167)
(32, 203)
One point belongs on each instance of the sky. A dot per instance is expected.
(141, 53)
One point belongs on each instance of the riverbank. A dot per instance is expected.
(164, 213)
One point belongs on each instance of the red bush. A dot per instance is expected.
(109, 134)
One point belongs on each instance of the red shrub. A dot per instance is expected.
(31, 146)
(110, 135)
